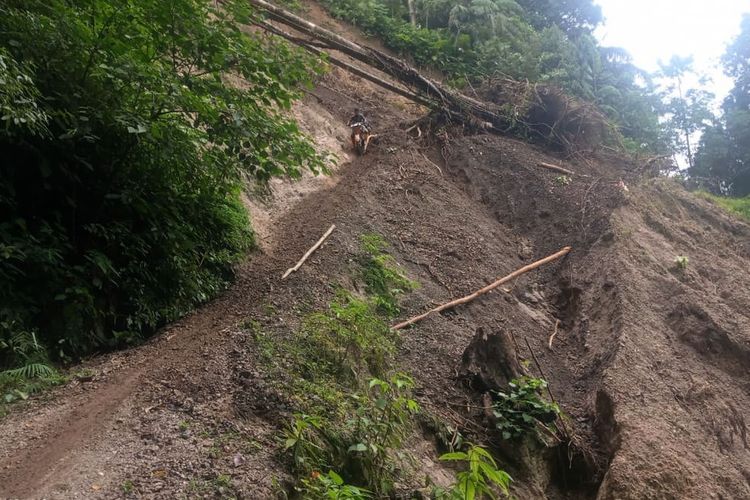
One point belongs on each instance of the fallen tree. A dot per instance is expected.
(459, 106)
(314, 48)
(541, 112)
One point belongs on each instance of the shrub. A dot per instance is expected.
(362, 449)
(681, 261)
(520, 409)
(348, 336)
(480, 478)
(124, 153)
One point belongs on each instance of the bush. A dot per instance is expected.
(361, 449)
(124, 152)
(348, 337)
(520, 409)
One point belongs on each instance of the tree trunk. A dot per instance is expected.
(685, 130)
(412, 12)
(459, 106)
(348, 67)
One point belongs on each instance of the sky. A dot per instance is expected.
(653, 30)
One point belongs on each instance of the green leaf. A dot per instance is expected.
(456, 455)
(335, 478)
(358, 447)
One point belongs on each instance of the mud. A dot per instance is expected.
(650, 362)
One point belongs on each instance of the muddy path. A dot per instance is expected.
(53, 437)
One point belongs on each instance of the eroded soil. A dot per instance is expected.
(651, 361)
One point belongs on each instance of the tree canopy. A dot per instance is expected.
(124, 146)
(722, 162)
(546, 41)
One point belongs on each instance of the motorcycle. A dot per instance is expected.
(360, 138)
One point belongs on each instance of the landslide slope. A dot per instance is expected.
(650, 361)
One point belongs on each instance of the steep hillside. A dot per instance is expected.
(650, 361)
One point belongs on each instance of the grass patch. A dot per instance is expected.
(353, 414)
(384, 282)
(737, 206)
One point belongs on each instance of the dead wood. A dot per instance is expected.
(460, 107)
(554, 334)
(313, 48)
(309, 252)
(490, 361)
(556, 168)
(486, 289)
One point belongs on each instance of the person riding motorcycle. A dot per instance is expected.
(358, 119)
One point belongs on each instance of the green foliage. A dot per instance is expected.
(361, 447)
(478, 481)
(331, 486)
(303, 441)
(127, 486)
(686, 111)
(546, 41)
(32, 371)
(127, 129)
(382, 280)
(681, 261)
(19, 98)
(349, 335)
(563, 180)
(353, 415)
(722, 164)
(520, 409)
(377, 429)
(738, 206)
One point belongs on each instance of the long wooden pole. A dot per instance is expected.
(459, 104)
(344, 65)
(309, 252)
(482, 291)
(556, 168)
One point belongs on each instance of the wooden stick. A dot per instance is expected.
(309, 252)
(484, 290)
(556, 168)
(431, 162)
(552, 337)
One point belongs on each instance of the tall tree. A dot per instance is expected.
(412, 12)
(124, 147)
(724, 155)
(571, 15)
(687, 110)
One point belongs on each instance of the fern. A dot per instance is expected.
(29, 371)
(21, 343)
